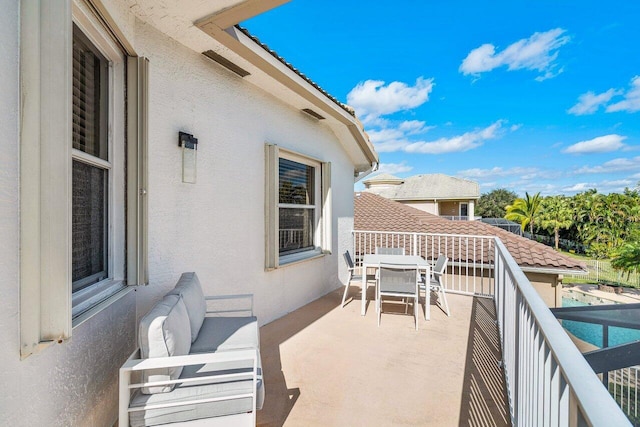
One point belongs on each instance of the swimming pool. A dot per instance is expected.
(590, 332)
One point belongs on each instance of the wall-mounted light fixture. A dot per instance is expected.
(189, 146)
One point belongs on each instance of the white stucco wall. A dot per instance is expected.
(430, 207)
(215, 227)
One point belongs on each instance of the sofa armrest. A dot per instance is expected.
(134, 364)
(245, 302)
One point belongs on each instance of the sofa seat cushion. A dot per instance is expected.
(206, 390)
(226, 333)
(191, 291)
(164, 332)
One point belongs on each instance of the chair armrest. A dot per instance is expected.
(133, 364)
(238, 297)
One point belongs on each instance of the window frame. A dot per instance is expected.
(85, 302)
(315, 207)
(322, 207)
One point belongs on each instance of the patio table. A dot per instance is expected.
(374, 260)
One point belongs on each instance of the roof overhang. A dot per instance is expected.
(558, 271)
(210, 26)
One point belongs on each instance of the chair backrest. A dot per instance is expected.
(397, 278)
(348, 260)
(441, 265)
(390, 251)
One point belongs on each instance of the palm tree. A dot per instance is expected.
(627, 258)
(524, 210)
(556, 214)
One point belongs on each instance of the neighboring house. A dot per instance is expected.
(438, 194)
(98, 200)
(542, 264)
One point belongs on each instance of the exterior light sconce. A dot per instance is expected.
(189, 146)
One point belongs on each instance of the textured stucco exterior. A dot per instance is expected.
(215, 227)
(549, 287)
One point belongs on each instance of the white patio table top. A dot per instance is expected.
(374, 260)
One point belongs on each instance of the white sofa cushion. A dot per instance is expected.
(227, 333)
(164, 331)
(191, 291)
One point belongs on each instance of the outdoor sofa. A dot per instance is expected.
(194, 365)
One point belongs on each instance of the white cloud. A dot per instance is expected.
(413, 127)
(537, 52)
(601, 144)
(631, 101)
(514, 128)
(496, 172)
(615, 165)
(464, 142)
(393, 168)
(581, 186)
(589, 102)
(372, 98)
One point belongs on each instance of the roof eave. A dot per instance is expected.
(547, 270)
(247, 48)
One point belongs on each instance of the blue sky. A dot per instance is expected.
(529, 96)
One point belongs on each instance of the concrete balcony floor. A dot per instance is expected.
(327, 366)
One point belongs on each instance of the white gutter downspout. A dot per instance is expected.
(374, 167)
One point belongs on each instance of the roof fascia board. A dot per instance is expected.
(246, 48)
(241, 12)
(437, 199)
(551, 270)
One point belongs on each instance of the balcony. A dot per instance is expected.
(501, 358)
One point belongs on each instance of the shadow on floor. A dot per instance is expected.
(272, 336)
(484, 402)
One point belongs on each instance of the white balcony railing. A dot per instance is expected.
(549, 383)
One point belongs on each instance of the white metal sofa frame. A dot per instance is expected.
(216, 381)
(398, 281)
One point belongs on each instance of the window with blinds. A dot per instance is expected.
(91, 167)
(297, 209)
(298, 214)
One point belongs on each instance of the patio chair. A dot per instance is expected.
(352, 276)
(389, 251)
(436, 285)
(398, 281)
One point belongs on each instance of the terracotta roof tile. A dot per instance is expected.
(375, 213)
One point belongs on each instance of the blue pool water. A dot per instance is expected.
(592, 333)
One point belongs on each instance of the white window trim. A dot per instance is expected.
(84, 302)
(45, 173)
(322, 208)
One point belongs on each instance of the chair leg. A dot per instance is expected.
(444, 299)
(415, 310)
(346, 291)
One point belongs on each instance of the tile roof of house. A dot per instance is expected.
(375, 213)
(434, 186)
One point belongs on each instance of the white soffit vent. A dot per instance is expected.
(226, 63)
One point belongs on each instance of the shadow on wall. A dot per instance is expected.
(484, 402)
